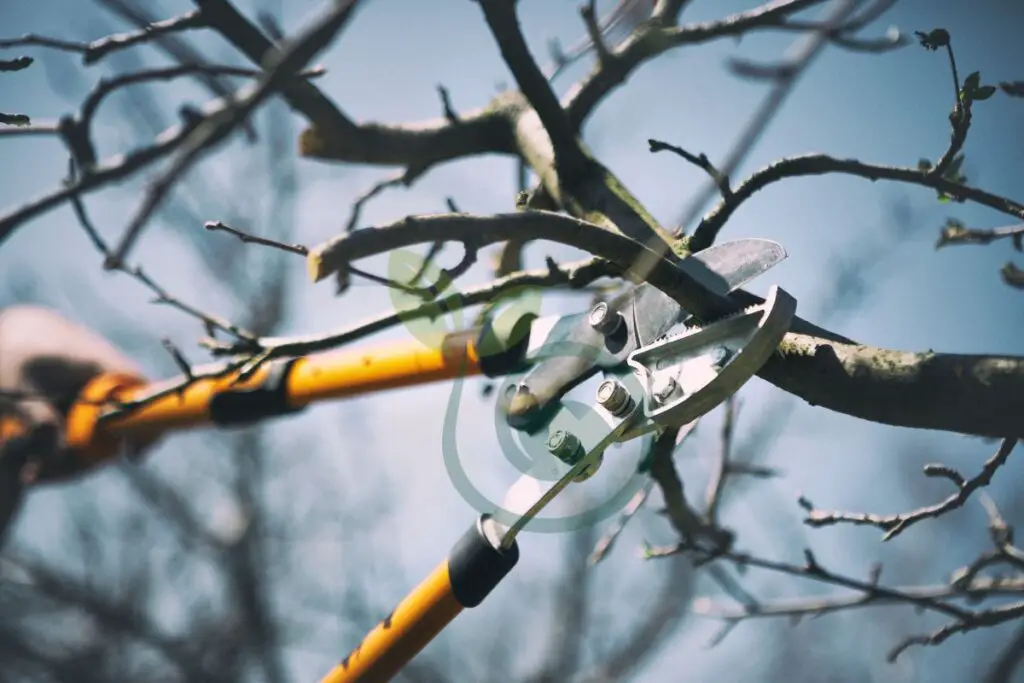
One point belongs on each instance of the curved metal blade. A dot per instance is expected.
(565, 350)
(688, 375)
(733, 264)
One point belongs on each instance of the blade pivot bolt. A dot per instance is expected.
(603, 319)
(565, 446)
(568, 448)
(664, 389)
(614, 397)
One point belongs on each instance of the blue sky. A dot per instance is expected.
(889, 109)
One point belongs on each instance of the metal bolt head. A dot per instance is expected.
(565, 446)
(614, 397)
(664, 389)
(720, 355)
(568, 448)
(603, 319)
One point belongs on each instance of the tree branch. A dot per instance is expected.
(281, 68)
(893, 525)
(960, 393)
(504, 24)
(660, 35)
(821, 164)
(116, 168)
(210, 322)
(334, 136)
(571, 276)
(969, 394)
(956, 233)
(1008, 661)
(913, 595)
(716, 483)
(785, 78)
(106, 86)
(98, 49)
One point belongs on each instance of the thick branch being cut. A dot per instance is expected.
(971, 394)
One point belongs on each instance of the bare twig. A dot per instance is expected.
(811, 569)
(821, 164)
(13, 128)
(687, 522)
(684, 519)
(108, 85)
(177, 49)
(956, 233)
(906, 595)
(785, 83)
(16, 64)
(701, 161)
(625, 15)
(116, 168)
(841, 36)
(446, 104)
(588, 13)
(255, 355)
(210, 322)
(926, 174)
(215, 128)
(716, 483)
(985, 619)
(218, 226)
(96, 50)
(893, 525)
(21, 120)
(573, 275)
(607, 542)
(1004, 552)
(179, 359)
(404, 178)
(656, 37)
(963, 585)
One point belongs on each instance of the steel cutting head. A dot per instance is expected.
(564, 351)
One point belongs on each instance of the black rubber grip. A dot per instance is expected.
(475, 567)
(237, 407)
(503, 353)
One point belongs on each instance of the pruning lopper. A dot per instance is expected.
(680, 373)
(679, 377)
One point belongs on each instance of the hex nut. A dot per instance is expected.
(614, 397)
(664, 389)
(565, 446)
(603, 319)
